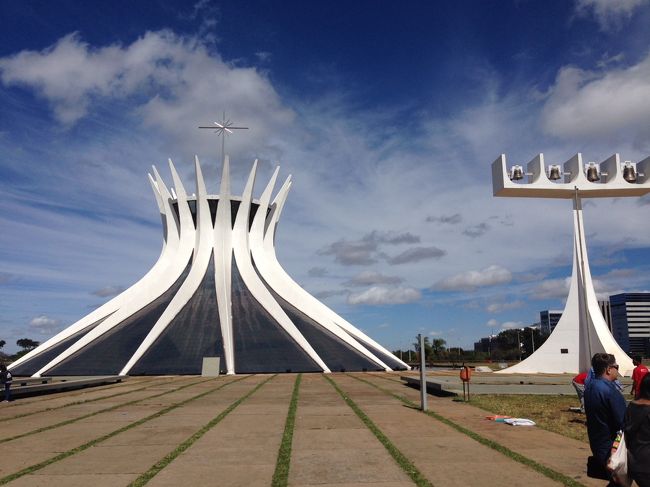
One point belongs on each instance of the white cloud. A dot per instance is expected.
(329, 293)
(366, 250)
(500, 307)
(350, 177)
(370, 278)
(170, 80)
(476, 230)
(597, 103)
(551, 289)
(416, 254)
(108, 291)
(609, 14)
(391, 238)
(44, 325)
(490, 276)
(509, 325)
(378, 295)
(506, 325)
(317, 272)
(454, 219)
(351, 253)
(613, 282)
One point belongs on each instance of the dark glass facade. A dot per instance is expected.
(336, 354)
(33, 365)
(214, 203)
(193, 334)
(261, 344)
(109, 353)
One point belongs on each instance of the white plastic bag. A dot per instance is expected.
(617, 464)
(519, 422)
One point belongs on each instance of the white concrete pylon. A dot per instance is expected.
(200, 262)
(270, 269)
(582, 330)
(288, 283)
(113, 304)
(172, 264)
(251, 279)
(223, 265)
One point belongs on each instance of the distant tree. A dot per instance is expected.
(2, 343)
(438, 346)
(532, 339)
(27, 344)
(428, 350)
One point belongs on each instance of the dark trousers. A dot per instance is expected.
(7, 391)
(641, 479)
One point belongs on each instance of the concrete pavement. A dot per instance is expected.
(331, 444)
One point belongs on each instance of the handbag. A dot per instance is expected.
(617, 463)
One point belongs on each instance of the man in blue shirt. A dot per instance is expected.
(604, 406)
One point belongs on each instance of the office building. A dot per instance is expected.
(548, 319)
(631, 322)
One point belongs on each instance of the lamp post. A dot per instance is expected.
(519, 343)
(532, 338)
(582, 330)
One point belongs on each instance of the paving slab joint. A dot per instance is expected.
(404, 463)
(281, 474)
(544, 470)
(170, 457)
(85, 446)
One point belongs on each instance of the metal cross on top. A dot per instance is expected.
(223, 128)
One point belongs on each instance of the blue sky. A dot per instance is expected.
(388, 117)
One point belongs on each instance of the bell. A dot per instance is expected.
(629, 174)
(516, 173)
(554, 172)
(592, 173)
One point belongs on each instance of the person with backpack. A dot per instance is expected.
(5, 379)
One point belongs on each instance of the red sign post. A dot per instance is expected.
(465, 376)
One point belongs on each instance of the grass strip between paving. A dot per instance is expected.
(518, 457)
(170, 457)
(86, 401)
(89, 415)
(281, 474)
(404, 463)
(85, 446)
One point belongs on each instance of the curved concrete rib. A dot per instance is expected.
(269, 249)
(172, 264)
(223, 266)
(252, 280)
(200, 263)
(113, 304)
(276, 277)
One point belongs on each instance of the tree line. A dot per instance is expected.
(26, 345)
(508, 345)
